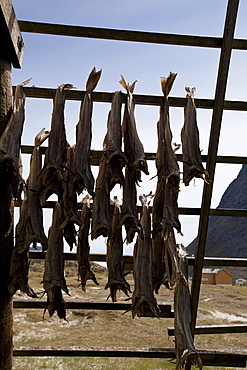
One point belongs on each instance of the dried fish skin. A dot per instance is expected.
(53, 280)
(101, 220)
(129, 209)
(68, 201)
(55, 155)
(11, 138)
(160, 276)
(133, 148)
(83, 174)
(18, 275)
(34, 222)
(112, 145)
(186, 353)
(114, 256)
(83, 248)
(166, 161)
(170, 218)
(192, 162)
(171, 260)
(143, 296)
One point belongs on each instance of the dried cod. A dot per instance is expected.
(114, 256)
(83, 174)
(83, 248)
(192, 161)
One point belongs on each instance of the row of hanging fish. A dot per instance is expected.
(67, 173)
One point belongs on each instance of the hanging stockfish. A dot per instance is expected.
(83, 248)
(143, 296)
(186, 353)
(55, 156)
(83, 174)
(159, 274)
(114, 256)
(18, 276)
(101, 219)
(53, 280)
(136, 162)
(112, 145)
(192, 161)
(171, 260)
(34, 220)
(11, 139)
(165, 208)
(68, 200)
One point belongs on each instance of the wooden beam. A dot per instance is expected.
(211, 329)
(153, 100)
(209, 358)
(126, 35)
(220, 91)
(165, 309)
(12, 45)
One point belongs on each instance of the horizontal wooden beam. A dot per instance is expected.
(96, 155)
(155, 100)
(209, 357)
(211, 329)
(165, 309)
(127, 35)
(208, 261)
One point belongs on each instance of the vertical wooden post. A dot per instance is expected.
(6, 242)
(220, 90)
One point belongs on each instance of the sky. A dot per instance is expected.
(53, 60)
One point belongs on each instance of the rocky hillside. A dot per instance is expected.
(227, 236)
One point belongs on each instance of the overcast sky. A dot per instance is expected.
(53, 60)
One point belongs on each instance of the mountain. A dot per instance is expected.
(227, 236)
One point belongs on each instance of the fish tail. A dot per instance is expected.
(167, 82)
(93, 79)
(190, 91)
(128, 87)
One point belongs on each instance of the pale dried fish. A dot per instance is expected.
(192, 161)
(83, 174)
(83, 248)
(114, 257)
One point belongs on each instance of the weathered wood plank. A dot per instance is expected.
(219, 329)
(209, 358)
(220, 91)
(165, 309)
(153, 100)
(12, 45)
(127, 35)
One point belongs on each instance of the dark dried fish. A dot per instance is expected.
(186, 353)
(55, 155)
(171, 260)
(101, 220)
(68, 200)
(18, 275)
(34, 222)
(143, 296)
(165, 208)
(84, 177)
(160, 276)
(114, 256)
(83, 248)
(112, 145)
(192, 161)
(11, 138)
(53, 280)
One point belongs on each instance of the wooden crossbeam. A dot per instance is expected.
(127, 35)
(165, 309)
(209, 358)
(218, 329)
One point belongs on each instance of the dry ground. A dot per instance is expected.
(218, 305)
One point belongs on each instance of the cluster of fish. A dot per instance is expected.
(66, 172)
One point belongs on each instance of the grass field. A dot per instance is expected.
(218, 305)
